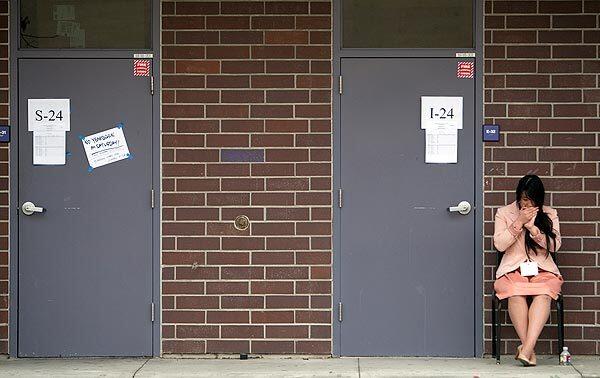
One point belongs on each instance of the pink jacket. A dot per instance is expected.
(511, 240)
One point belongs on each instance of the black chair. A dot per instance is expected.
(497, 306)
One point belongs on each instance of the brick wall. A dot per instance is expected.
(246, 130)
(4, 67)
(541, 86)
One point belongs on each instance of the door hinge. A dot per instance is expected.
(341, 84)
(152, 311)
(340, 197)
(152, 85)
(152, 198)
(340, 312)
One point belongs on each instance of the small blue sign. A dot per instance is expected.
(491, 133)
(4, 134)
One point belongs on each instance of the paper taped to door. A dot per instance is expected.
(105, 147)
(49, 147)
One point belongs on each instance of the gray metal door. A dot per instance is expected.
(85, 264)
(407, 264)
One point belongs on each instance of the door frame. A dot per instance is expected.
(13, 250)
(338, 54)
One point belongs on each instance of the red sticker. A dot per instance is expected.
(465, 70)
(141, 67)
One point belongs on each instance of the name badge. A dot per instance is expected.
(529, 268)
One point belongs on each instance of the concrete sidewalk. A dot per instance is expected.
(588, 366)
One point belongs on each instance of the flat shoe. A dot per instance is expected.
(533, 360)
(524, 360)
(518, 352)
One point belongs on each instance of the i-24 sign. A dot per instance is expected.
(48, 114)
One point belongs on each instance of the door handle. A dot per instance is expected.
(463, 208)
(29, 208)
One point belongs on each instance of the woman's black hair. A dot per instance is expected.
(531, 186)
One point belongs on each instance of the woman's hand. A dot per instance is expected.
(527, 216)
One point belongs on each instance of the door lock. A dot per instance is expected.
(463, 208)
(29, 208)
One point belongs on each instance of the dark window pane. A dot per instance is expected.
(407, 23)
(85, 24)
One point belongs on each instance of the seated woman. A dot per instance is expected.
(526, 230)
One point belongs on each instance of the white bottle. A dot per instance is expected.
(565, 357)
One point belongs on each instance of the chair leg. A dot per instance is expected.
(498, 331)
(494, 351)
(561, 323)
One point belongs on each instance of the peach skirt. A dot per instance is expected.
(514, 283)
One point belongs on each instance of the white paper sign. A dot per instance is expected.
(106, 147)
(48, 114)
(441, 111)
(49, 147)
(441, 145)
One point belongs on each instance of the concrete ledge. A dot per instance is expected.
(288, 366)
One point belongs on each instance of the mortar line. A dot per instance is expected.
(358, 360)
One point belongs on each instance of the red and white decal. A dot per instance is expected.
(465, 70)
(141, 67)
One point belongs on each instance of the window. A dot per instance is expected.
(407, 24)
(85, 24)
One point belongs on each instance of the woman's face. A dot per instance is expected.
(525, 201)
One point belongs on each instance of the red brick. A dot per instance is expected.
(560, 154)
(184, 346)
(286, 7)
(556, 95)
(286, 37)
(242, 243)
(246, 332)
(197, 243)
(197, 302)
(227, 52)
(272, 287)
(234, 317)
(287, 301)
(227, 346)
(272, 199)
(183, 316)
(529, 110)
(573, 51)
(574, 81)
(272, 81)
(242, 7)
(286, 273)
(513, 6)
(273, 22)
(227, 288)
(228, 170)
(271, 111)
(241, 37)
(197, 331)
(273, 258)
(573, 140)
(576, 22)
(272, 52)
(196, 37)
(189, 22)
(287, 332)
(284, 155)
(313, 22)
(276, 347)
(528, 81)
(278, 228)
(272, 140)
(574, 169)
(197, 66)
(501, 36)
(227, 258)
(242, 66)
(268, 317)
(245, 302)
(287, 66)
(228, 81)
(227, 22)
(197, 8)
